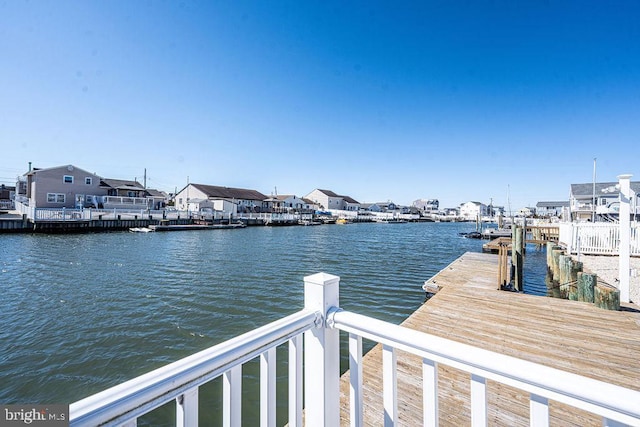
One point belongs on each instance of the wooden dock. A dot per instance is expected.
(573, 336)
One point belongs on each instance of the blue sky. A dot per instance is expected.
(455, 100)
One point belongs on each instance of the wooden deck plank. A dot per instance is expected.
(573, 336)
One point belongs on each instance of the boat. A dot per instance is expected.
(179, 227)
(390, 220)
(140, 230)
(343, 221)
(472, 235)
(307, 222)
(493, 233)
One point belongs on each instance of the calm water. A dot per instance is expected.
(84, 312)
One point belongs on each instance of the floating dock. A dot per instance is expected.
(196, 227)
(572, 336)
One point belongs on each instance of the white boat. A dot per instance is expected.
(140, 230)
(390, 220)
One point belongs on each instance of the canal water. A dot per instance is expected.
(84, 312)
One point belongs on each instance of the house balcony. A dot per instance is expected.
(120, 202)
(313, 334)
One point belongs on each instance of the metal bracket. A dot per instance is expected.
(330, 316)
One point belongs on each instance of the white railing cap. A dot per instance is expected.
(321, 278)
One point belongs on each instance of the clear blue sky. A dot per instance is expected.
(455, 100)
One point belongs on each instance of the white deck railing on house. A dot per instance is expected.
(597, 238)
(320, 322)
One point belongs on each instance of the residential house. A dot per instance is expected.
(60, 187)
(327, 199)
(7, 196)
(351, 204)
(550, 209)
(123, 194)
(427, 205)
(70, 187)
(158, 199)
(588, 200)
(452, 212)
(291, 204)
(387, 206)
(225, 199)
(470, 211)
(370, 207)
(527, 211)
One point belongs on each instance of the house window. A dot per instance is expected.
(55, 198)
(88, 181)
(67, 179)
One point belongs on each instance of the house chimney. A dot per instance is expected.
(29, 166)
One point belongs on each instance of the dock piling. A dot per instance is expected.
(586, 286)
(517, 257)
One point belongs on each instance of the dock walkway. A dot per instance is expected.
(572, 336)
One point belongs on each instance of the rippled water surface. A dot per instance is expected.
(83, 312)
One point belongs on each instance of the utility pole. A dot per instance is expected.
(593, 195)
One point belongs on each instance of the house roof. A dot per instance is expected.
(155, 193)
(121, 184)
(70, 168)
(602, 188)
(349, 199)
(230, 193)
(332, 194)
(329, 193)
(552, 204)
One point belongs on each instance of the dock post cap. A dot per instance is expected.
(625, 176)
(322, 278)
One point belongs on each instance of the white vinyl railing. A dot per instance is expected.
(180, 381)
(613, 403)
(597, 238)
(320, 322)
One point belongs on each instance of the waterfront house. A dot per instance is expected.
(387, 206)
(600, 200)
(550, 209)
(60, 187)
(290, 204)
(71, 187)
(427, 205)
(225, 199)
(527, 211)
(122, 194)
(471, 211)
(7, 196)
(157, 199)
(327, 199)
(370, 207)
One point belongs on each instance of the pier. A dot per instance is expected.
(567, 335)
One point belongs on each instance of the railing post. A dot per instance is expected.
(478, 401)
(187, 408)
(625, 232)
(322, 354)
(232, 397)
